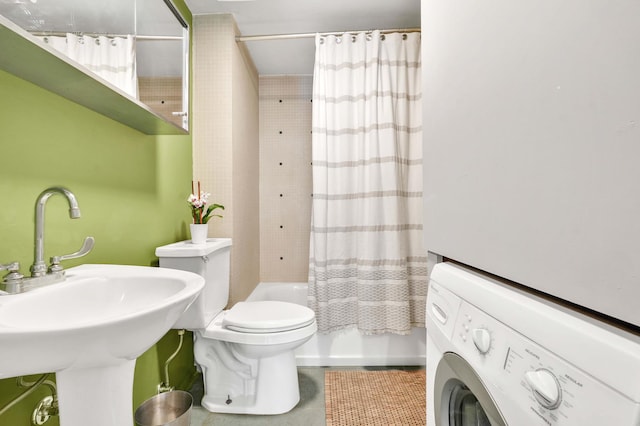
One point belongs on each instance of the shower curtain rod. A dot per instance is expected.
(139, 37)
(310, 35)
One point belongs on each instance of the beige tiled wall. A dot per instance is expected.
(285, 177)
(225, 142)
(259, 168)
(246, 195)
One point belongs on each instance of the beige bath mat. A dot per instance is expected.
(375, 398)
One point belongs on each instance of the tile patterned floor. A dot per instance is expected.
(310, 411)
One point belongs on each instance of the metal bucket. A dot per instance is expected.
(165, 409)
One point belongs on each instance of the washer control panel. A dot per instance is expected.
(528, 381)
(482, 339)
(545, 387)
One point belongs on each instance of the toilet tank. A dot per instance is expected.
(210, 260)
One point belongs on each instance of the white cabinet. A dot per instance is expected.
(532, 144)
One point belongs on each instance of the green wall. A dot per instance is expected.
(132, 191)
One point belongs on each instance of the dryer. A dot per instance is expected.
(497, 355)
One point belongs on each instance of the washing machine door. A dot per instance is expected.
(461, 399)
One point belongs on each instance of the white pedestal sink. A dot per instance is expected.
(90, 329)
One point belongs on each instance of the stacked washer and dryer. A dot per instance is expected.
(497, 355)
(531, 129)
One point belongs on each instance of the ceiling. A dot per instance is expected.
(277, 57)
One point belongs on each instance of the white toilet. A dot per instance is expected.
(245, 353)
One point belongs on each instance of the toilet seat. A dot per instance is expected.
(299, 325)
(267, 317)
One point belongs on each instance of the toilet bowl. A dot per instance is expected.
(245, 353)
(247, 359)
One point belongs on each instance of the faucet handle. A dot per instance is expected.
(13, 280)
(86, 248)
(11, 267)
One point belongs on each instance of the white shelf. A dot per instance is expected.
(26, 57)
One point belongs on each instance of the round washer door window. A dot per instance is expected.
(460, 397)
(464, 408)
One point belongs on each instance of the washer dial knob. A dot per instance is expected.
(545, 387)
(482, 339)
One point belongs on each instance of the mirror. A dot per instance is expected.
(140, 47)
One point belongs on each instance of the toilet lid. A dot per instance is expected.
(267, 317)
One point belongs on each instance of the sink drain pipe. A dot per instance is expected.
(46, 408)
(166, 386)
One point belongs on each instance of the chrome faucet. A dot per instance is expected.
(41, 275)
(39, 267)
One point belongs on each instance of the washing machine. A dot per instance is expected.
(498, 355)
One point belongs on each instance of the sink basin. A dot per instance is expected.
(89, 329)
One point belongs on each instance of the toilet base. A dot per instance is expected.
(248, 386)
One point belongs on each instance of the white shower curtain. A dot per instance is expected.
(367, 264)
(112, 58)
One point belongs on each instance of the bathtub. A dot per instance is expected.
(346, 347)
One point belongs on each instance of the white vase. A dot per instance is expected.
(199, 232)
